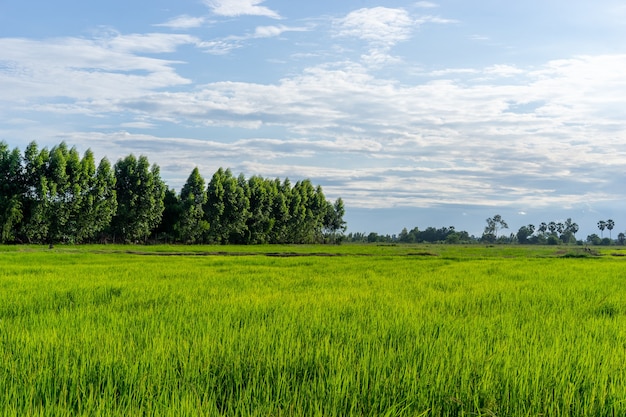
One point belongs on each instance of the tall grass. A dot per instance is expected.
(387, 334)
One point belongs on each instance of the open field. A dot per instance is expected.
(312, 330)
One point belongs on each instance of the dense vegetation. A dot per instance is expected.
(50, 196)
(370, 331)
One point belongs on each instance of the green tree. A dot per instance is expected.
(569, 231)
(524, 233)
(172, 211)
(334, 225)
(261, 194)
(36, 202)
(227, 208)
(140, 193)
(602, 226)
(99, 204)
(12, 190)
(494, 224)
(192, 226)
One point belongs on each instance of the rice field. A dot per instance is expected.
(353, 330)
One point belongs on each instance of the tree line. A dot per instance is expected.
(546, 233)
(56, 196)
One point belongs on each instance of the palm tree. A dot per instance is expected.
(610, 224)
(543, 227)
(602, 226)
(552, 227)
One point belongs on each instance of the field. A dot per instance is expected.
(351, 330)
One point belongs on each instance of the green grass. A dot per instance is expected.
(373, 330)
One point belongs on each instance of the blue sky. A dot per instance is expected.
(416, 113)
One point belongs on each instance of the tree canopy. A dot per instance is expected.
(57, 196)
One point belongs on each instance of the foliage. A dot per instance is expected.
(51, 196)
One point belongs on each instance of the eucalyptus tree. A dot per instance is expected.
(36, 204)
(140, 193)
(92, 199)
(494, 224)
(191, 225)
(261, 193)
(280, 212)
(334, 224)
(12, 190)
(226, 209)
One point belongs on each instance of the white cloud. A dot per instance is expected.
(271, 31)
(240, 7)
(426, 4)
(378, 25)
(87, 69)
(184, 22)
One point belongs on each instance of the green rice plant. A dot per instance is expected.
(369, 331)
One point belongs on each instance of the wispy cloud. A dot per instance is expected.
(382, 28)
(184, 22)
(88, 69)
(426, 4)
(240, 7)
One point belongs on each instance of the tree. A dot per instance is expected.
(191, 225)
(621, 238)
(594, 239)
(552, 227)
(494, 224)
(36, 201)
(601, 226)
(99, 203)
(227, 208)
(140, 194)
(524, 233)
(610, 224)
(12, 192)
(334, 225)
(569, 231)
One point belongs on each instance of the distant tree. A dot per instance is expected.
(552, 227)
(543, 227)
(621, 238)
(494, 224)
(602, 226)
(334, 224)
(524, 233)
(610, 224)
(569, 231)
(372, 237)
(594, 239)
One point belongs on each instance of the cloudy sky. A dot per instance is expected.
(416, 113)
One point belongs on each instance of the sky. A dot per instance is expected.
(415, 113)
